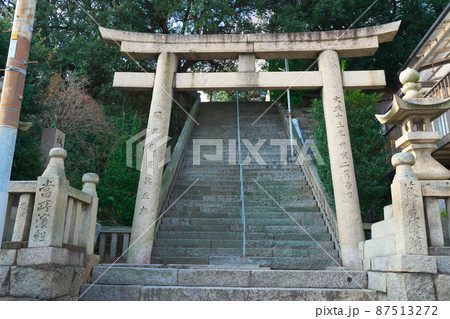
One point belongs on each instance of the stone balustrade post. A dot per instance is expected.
(49, 212)
(408, 208)
(87, 235)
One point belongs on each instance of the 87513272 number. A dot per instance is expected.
(407, 310)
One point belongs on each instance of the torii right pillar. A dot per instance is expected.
(341, 160)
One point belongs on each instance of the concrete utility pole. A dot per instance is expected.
(11, 100)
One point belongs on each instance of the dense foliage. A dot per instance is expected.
(369, 156)
(73, 59)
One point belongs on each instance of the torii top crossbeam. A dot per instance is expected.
(302, 45)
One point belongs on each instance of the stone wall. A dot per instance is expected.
(44, 273)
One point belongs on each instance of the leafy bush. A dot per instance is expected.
(370, 158)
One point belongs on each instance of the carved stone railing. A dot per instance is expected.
(436, 197)
(313, 179)
(114, 242)
(416, 224)
(48, 244)
(61, 215)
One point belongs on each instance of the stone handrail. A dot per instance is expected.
(313, 179)
(438, 226)
(173, 166)
(21, 194)
(49, 212)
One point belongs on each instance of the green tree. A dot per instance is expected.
(322, 15)
(118, 186)
(369, 156)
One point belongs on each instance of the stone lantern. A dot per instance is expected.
(415, 115)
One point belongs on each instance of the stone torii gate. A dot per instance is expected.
(327, 46)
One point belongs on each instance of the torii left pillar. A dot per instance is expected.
(348, 211)
(147, 200)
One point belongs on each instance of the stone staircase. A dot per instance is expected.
(209, 283)
(198, 250)
(204, 225)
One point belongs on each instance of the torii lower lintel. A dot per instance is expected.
(223, 81)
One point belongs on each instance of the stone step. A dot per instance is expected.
(248, 177)
(235, 209)
(238, 227)
(247, 170)
(236, 195)
(218, 189)
(235, 177)
(251, 252)
(231, 277)
(303, 263)
(252, 202)
(229, 121)
(183, 202)
(198, 194)
(253, 135)
(249, 215)
(232, 167)
(266, 159)
(156, 293)
(211, 183)
(214, 235)
(233, 196)
(249, 221)
(206, 243)
(280, 197)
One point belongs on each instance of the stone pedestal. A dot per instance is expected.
(407, 204)
(49, 213)
(44, 273)
(341, 159)
(147, 200)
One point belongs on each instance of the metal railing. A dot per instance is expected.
(241, 176)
